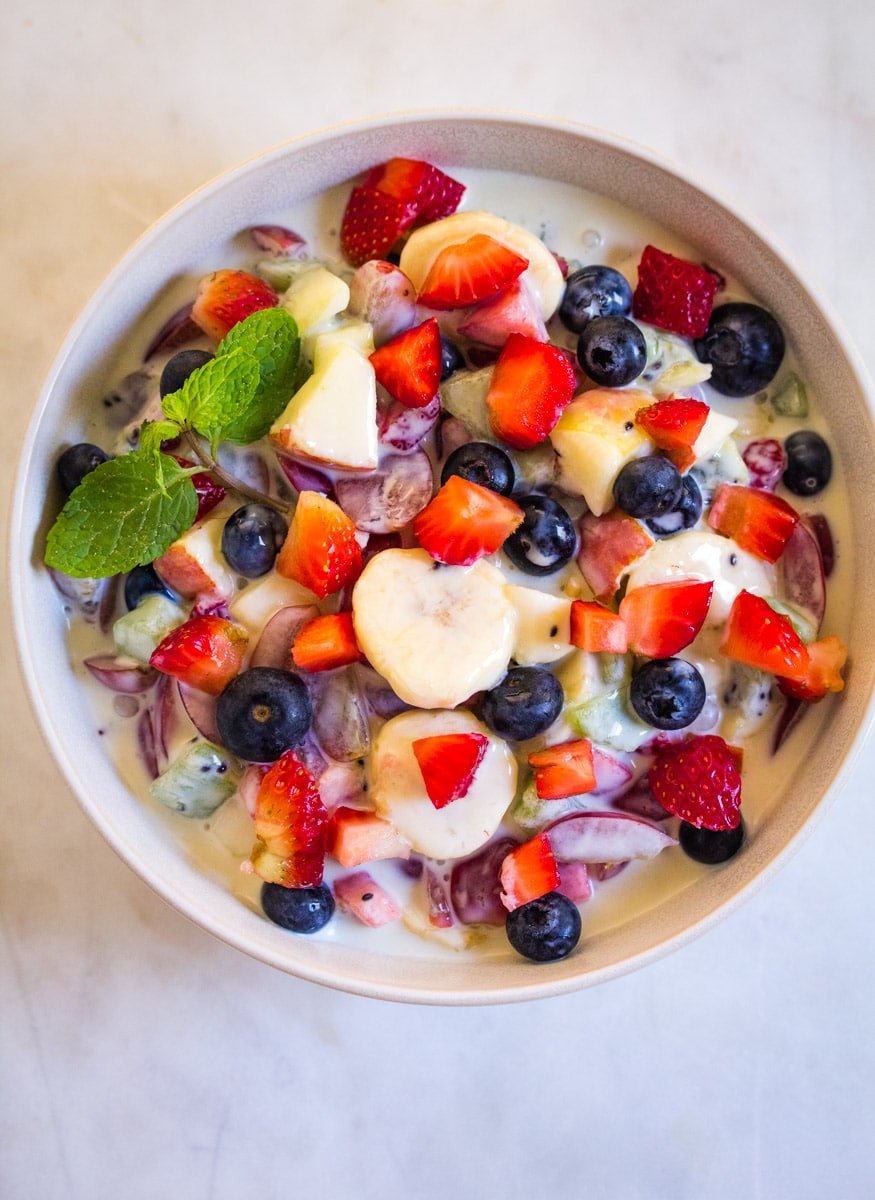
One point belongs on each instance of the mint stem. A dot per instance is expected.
(227, 480)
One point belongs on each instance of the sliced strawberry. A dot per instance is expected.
(464, 522)
(357, 836)
(325, 643)
(409, 366)
(206, 653)
(824, 674)
(372, 223)
(363, 898)
(528, 872)
(290, 824)
(674, 294)
(756, 521)
(531, 386)
(673, 425)
(758, 636)
(448, 764)
(426, 190)
(596, 628)
(469, 272)
(699, 781)
(608, 547)
(320, 551)
(226, 297)
(209, 493)
(565, 770)
(662, 618)
(515, 310)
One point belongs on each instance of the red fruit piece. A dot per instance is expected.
(278, 241)
(565, 770)
(428, 193)
(673, 425)
(515, 310)
(574, 882)
(596, 628)
(227, 297)
(409, 366)
(448, 764)
(469, 272)
(531, 386)
(699, 781)
(320, 551)
(766, 461)
(824, 674)
(206, 653)
(464, 522)
(608, 547)
(372, 223)
(363, 898)
(756, 521)
(209, 493)
(357, 836)
(325, 643)
(674, 294)
(528, 872)
(290, 824)
(663, 618)
(760, 637)
(475, 887)
(440, 913)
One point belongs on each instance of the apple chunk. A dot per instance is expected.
(194, 565)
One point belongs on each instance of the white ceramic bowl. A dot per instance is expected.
(186, 236)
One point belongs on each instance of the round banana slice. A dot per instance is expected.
(437, 634)
(397, 789)
(425, 244)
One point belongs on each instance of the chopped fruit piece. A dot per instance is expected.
(448, 763)
(609, 545)
(673, 294)
(515, 310)
(663, 618)
(464, 522)
(531, 386)
(825, 661)
(699, 781)
(290, 824)
(226, 297)
(596, 628)
(205, 652)
(674, 425)
(562, 771)
(325, 643)
(469, 272)
(409, 366)
(758, 636)
(357, 836)
(528, 872)
(194, 566)
(440, 913)
(574, 882)
(363, 898)
(757, 521)
(321, 551)
(428, 192)
(372, 223)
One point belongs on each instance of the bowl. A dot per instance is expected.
(197, 228)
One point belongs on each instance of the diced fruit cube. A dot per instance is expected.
(291, 825)
(139, 631)
(470, 271)
(574, 882)
(226, 297)
(196, 782)
(713, 438)
(663, 618)
(674, 294)
(327, 642)
(448, 763)
(597, 629)
(565, 770)
(409, 366)
(531, 386)
(363, 898)
(543, 626)
(194, 566)
(757, 521)
(515, 310)
(357, 836)
(609, 545)
(464, 522)
(699, 780)
(674, 425)
(315, 296)
(528, 872)
(320, 552)
(824, 674)
(205, 653)
(595, 437)
(259, 601)
(760, 637)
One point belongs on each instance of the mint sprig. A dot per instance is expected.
(215, 395)
(271, 337)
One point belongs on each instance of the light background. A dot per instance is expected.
(139, 1057)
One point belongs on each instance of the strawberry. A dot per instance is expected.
(325, 643)
(699, 781)
(528, 872)
(226, 297)
(673, 425)
(209, 493)
(758, 636)
(662, 618)
(409, 366)
(469, 272)
(320, 551)
(565, 770)
(464, 522)
(674, 294)
(372, 223)
(205, 653)
(448, 764)
(756, 521)
(290, 824)
(425, 189)
(608, 547)
(362, 897)
(531, 386)
(356, 836)
(596, 628)
(515, 310)
(824, 674)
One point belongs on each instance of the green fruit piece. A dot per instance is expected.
(746, 700)
(138, 632)
(791, 399)
(196, 782)
(606, 720)
(531, 812)
(801, 621)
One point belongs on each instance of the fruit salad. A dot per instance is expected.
(453, 571)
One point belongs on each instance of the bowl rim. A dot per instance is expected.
(18, 562)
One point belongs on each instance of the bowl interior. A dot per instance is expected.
(253, 193)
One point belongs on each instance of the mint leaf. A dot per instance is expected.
(271, 337)
(154, 433)
(216, 394)
(124, 513)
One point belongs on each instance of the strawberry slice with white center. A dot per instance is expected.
(674, 425)
(528, 872)
(326, 643)
(227, 297)
(760, 637)
(448, 763)
(409, 366)
(465, 522)
(290, 824)
(320, 551)
(755, 520)
(205, 653)
(699, 780)
(470, 271)
(662, 618)
(566, 770)
(531, 386)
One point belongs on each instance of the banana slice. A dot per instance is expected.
(398, 791)
(542, 274)
(437, 634)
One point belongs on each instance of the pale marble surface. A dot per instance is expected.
(142, 1058)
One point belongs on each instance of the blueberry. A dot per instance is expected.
(77, 462)
(451, 358)
(710, 846)
(809, 463)
(612, 351)
(594, 292)
(684, 515)
(648, 487)
(667, 693)
(545, 929)
(302, 910)
(252, 538)
(545, 541)
(483, 463)
(526, 702)
(144, 581)
(177, 369)
(744, 345)
(262, 713)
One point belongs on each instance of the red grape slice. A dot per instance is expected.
(475, 886)
(389, 498)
